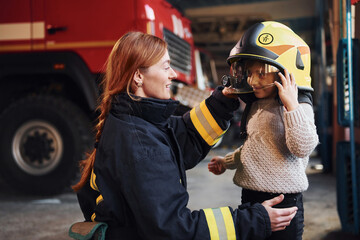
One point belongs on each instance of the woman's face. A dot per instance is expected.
(156, 79)
(261, 82)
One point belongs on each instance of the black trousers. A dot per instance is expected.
(296, 228)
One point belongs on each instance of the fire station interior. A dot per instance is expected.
(331, 28)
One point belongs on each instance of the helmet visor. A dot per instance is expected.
(243, 73)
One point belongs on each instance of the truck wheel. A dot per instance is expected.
(41, 142)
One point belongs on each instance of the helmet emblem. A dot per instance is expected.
(265, 38)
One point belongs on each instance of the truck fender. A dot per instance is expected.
(65, 62)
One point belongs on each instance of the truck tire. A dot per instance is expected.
(42, 140)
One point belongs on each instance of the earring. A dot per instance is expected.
(139, 84)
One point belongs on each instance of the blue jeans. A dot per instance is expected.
(296, 228)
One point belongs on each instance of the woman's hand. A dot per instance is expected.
(229, 92)
(217, 165)
(279, 217)
(288, 91)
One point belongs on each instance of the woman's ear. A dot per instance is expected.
(138, 78)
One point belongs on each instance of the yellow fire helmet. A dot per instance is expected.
(277, 45)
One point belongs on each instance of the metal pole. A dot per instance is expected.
(351, 115)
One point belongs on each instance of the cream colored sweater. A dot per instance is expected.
(276, 152)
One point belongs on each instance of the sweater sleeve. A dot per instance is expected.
(232, 159)
(300, 130)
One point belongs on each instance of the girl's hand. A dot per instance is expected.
(288, 91)
(217, 165)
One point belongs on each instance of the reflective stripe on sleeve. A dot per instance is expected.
(220, 223)
(205, 124)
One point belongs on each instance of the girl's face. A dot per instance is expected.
(156, 79)
(261, 81)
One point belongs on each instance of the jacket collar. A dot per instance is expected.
(152, 110)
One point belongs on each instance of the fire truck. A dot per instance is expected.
(52, 56)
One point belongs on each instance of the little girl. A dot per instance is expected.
(280, 137)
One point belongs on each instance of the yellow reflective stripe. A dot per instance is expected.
(93, 217)
(92, 181)
(205, 124)
(94, 186)
(215, 126)
(99, 199)
(229, 223)
(220, 223)
(210, 218)
(211, 135)
(198, 125)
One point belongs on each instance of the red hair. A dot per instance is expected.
(133, 51)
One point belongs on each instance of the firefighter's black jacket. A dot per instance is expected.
(138, 185)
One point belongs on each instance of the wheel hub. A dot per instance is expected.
(37, 147)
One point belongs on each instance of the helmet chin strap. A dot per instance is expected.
(265, 86)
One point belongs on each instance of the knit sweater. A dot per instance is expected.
(276, 152)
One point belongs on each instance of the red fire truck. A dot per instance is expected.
(52, 56)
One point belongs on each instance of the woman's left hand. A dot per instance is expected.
(288, 91)
(229, 92)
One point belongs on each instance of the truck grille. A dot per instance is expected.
(179, 52)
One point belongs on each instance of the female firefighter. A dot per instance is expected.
(134, 180)
(280, 133)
